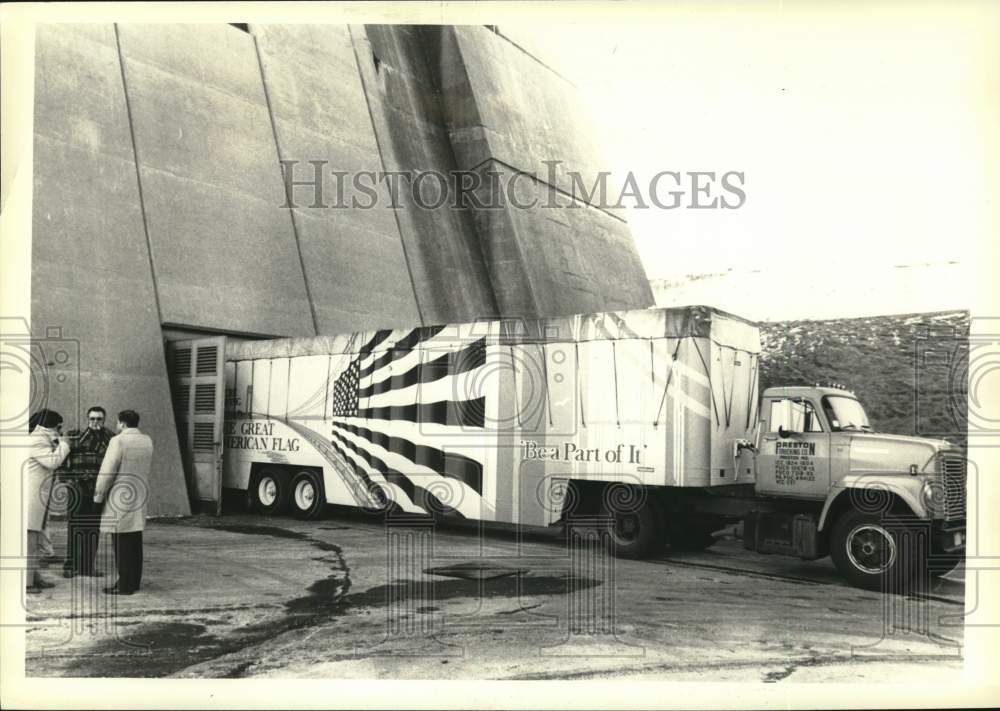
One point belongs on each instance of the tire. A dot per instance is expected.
(874, 554)
(636, 530)
(269, 492)
(306, 496)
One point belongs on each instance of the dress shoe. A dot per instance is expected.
(43, 583)
(113, 590)
(32, 590)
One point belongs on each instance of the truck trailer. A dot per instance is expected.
(649, 420)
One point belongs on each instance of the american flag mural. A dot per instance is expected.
(391, 404)
(479, 420)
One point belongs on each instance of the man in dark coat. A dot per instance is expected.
(87, 449)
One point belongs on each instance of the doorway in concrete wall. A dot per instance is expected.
(197, 384)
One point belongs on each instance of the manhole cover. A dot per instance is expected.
(474, 571)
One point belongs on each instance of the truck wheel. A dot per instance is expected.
(307, 498)
(874, 556)
(269, 492)
(635, 531)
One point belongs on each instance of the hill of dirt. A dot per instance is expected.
(909, 370)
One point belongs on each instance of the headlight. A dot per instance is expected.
(933, 497)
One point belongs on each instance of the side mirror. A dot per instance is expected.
(781, 417)
(788, 416)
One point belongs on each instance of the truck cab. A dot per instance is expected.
(864, 491)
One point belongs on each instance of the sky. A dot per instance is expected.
(864, 132)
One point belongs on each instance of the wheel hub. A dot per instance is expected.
(627, 527)
(871, 548)
(305, 494)
(267, 491)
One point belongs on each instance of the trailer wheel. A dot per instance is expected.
(872, 553)
(306, 495)
(269, 492)
(636, 531)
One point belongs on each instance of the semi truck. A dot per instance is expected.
(650, 420)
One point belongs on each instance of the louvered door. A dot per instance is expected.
(197, 382)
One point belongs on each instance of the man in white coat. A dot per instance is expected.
(48, 450)
(123, 486)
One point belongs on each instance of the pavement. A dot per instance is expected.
(348, 596)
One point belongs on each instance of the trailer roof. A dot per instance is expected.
(689, 321)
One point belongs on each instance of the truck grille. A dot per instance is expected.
(953, 473)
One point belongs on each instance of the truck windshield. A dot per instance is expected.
(846, 413)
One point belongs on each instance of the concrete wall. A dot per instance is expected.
(160, 205)
(353, 257)
(223, 249)
(90, 273)
(450, 279)
(509, 113)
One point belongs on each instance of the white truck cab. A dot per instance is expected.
(815, 444)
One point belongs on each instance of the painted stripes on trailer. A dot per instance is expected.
(346, 387)
(391, 489)
(451, 413)
(400, 348)
(451, 363)
(451, 492)
(360, 490)
(417, 494)
(372, 487)
(374, 341)
(449, 464)
(461, 387)
(433, 386)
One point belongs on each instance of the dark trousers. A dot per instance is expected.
(83, 528)
(128, 558)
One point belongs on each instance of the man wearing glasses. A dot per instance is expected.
(84, 516)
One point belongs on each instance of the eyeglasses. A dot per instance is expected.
(96, 419)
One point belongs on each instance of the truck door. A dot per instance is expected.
(794, 456)
(198, 386)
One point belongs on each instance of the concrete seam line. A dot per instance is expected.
(288, 196)
(378, 145)
(138, 176)
(473, 240)
(534, 177)
(506, 215)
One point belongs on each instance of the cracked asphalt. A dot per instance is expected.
(348, 597)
